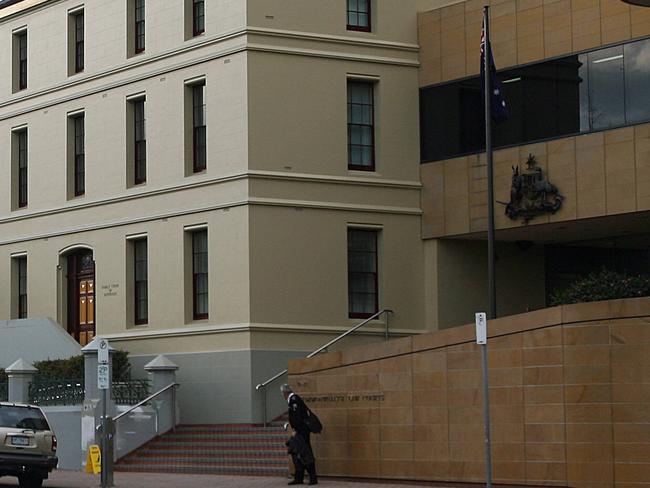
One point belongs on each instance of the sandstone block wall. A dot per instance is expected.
(569, 395)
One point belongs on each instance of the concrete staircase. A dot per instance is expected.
(236, 449)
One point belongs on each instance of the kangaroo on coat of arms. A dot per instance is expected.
(531, 193)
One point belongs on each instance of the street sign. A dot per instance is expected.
(102, 352)
(481, 328)
(102, 376)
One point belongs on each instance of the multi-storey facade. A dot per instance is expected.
(227, 182)
(575, 77)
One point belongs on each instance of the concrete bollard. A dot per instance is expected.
(20, 375)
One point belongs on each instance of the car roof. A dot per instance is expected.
(21, 405)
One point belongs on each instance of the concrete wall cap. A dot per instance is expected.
(21, 366)
(161, 363)
(93, 347)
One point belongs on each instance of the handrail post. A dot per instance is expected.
(264, 406)
(173, 408)
(387, 317)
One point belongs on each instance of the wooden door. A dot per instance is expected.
(81, 297)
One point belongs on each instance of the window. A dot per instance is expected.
(139, 26)
(359, 15)
(140, 281)
(200, 274)
(361, 126)
(362, 273)
(20, 61)
(79, 156)
(198, 17)
(20, 264)
(20, 167)
(76, 42)
(198, 128)
(601, 89)
(140, 142)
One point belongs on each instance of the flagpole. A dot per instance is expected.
(492, 309)
(492, 297)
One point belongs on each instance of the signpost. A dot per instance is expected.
(481, 339)
(103, 383)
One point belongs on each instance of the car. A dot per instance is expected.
(27, 444)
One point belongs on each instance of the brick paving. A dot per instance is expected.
(74, 479)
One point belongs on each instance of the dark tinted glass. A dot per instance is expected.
(637, 81)
(606, 88)
(556, 98)
(22, 418)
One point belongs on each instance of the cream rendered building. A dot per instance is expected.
(243, 254)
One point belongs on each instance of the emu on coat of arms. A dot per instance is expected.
(531, 193)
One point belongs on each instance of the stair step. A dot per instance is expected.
(208, 461)
(223, 451)
(222, 470)
(235, 449)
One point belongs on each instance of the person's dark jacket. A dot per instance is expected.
(297, 414)
(300, 449)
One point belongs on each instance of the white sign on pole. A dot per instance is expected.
(102, 376)
(102, 352)
(481, 328)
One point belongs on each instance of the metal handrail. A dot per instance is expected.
(148, 399)
(264, 384)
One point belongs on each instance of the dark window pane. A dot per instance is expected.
(22, 287)
(358, 15)
(79, 42)
(362, 272)
(79, 156)
(198, 13)
(606, 88)
(22, 60)
(361, 144)
(199, 127)
(140, 142)
(22, 168)
(200, 273)
(140, 274)
(637, 81)
(139, 26)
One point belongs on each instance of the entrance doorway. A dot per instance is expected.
(81, 296)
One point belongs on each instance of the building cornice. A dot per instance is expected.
(252, 175)
(267, 202)
(192, 330)
(252, 201)
(353, 41)
(243, 46)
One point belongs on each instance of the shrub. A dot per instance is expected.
(73, 368)
(602, 285)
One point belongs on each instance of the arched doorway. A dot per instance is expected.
(80, 279)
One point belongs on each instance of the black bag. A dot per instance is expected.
(313, 423)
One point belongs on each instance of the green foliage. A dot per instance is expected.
(73, 368)
(602, 285)
(3, 376)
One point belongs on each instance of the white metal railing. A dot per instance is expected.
(273, 378)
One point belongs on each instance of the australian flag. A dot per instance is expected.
(498, 109)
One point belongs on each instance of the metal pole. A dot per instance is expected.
(486, 419)
(492, 302)
(387, 315)
(173, 408)
(492, 308)
(264, 405)
(104, 473)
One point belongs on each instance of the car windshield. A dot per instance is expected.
(22, 418)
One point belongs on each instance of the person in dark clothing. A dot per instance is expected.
(298, 413)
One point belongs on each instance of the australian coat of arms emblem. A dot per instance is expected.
(531, 193)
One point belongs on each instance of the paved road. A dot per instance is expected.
(73, 479)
